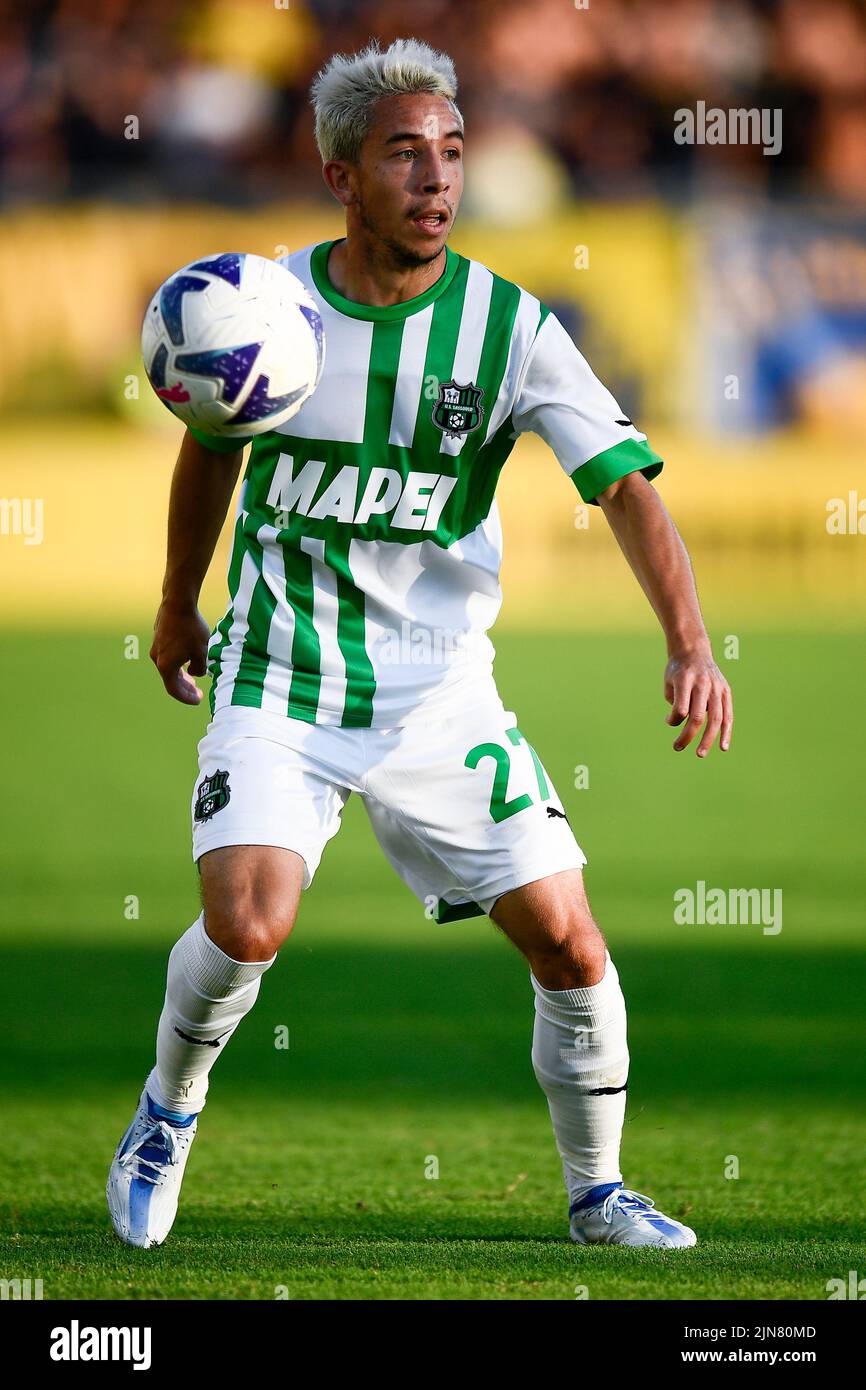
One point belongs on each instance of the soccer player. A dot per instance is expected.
(353, 655)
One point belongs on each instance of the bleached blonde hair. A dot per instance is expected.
(347, 87)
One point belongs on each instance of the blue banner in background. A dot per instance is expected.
(780, 294)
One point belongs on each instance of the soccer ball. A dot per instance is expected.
(233, 344)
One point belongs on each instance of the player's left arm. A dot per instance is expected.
(695, 688)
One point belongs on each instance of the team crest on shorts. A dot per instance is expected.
(212, 796)
(458, 411)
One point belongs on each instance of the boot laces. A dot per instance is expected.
(626, 1198)
(159, 1135)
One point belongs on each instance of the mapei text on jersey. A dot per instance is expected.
(414, 503)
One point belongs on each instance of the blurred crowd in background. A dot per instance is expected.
(572, 100)
(719, 291)
(727, 287)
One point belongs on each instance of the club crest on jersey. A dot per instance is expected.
(458, 411)
(212, 796)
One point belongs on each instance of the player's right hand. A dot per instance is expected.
(180, 638)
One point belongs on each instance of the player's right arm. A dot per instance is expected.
(201, 490)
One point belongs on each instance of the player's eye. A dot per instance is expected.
(410, 152)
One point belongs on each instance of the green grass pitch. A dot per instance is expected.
(409, 1042)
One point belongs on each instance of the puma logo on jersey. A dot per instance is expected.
(415, 503)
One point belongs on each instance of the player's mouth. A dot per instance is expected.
(430, 222)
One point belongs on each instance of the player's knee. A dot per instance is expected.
(244, 931)
(571, 953)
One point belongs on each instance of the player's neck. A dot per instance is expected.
(367, 274)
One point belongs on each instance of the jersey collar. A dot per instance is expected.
(319, 271)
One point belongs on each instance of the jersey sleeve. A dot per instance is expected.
(560, 399)
(219, 444)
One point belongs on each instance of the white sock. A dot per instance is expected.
(207, 994)
(580, 1057)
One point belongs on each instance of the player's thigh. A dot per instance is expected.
(466, 812)
(250, 895)
(266, 803)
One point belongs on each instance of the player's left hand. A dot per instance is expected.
(696, 690)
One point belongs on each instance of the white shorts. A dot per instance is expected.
(462, 807)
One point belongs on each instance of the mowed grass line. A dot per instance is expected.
(408, 1041)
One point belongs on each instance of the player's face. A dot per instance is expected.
(409, 177)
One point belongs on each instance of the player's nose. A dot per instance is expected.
(434, 176)
(434, 185)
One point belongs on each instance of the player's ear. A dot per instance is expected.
(337, 174)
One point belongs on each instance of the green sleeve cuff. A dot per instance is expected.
(628, 457)
(218, 443)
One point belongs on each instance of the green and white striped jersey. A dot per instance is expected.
(365, 567)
